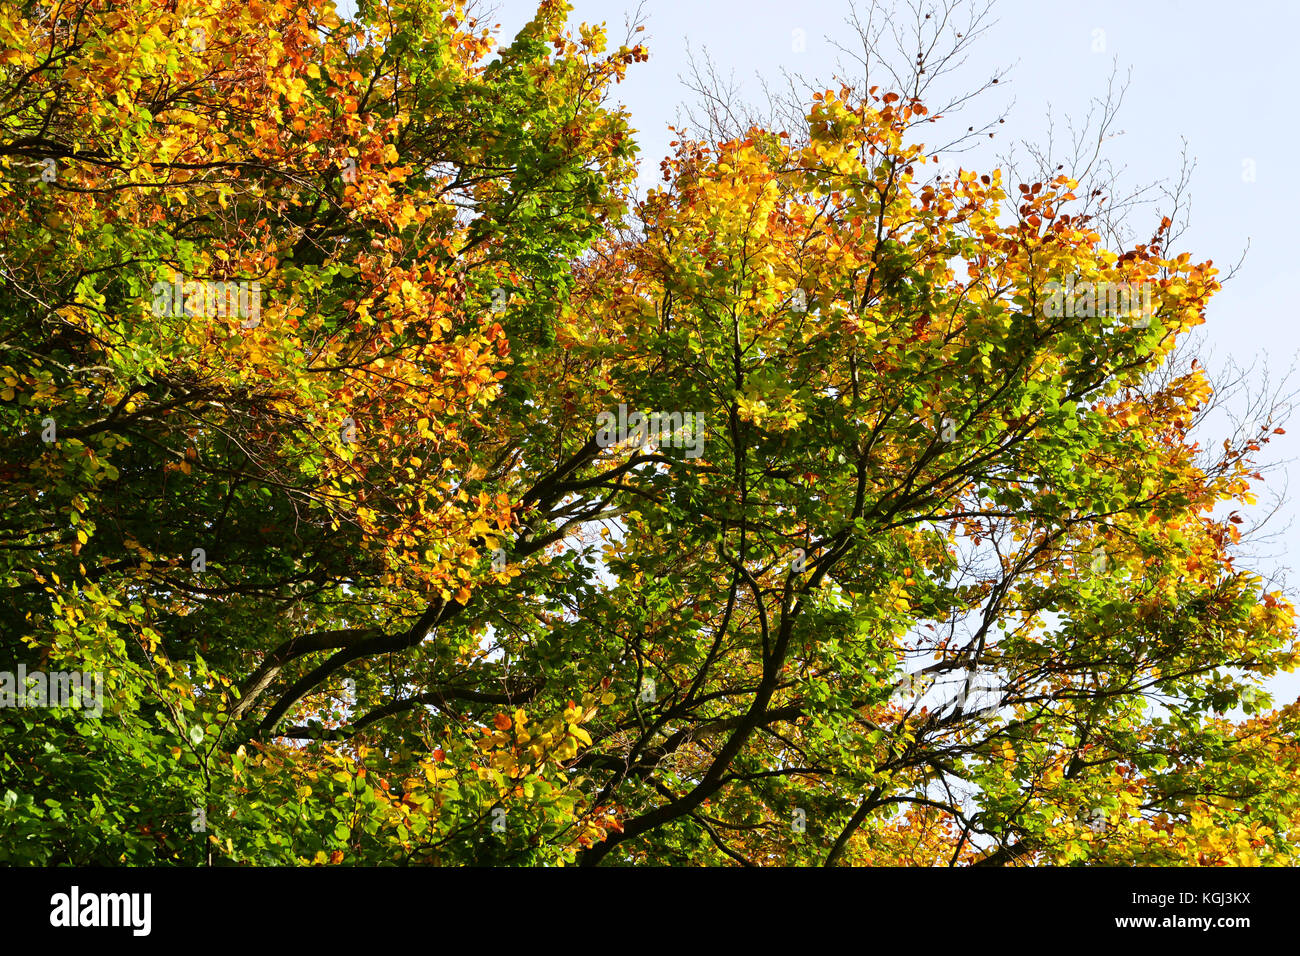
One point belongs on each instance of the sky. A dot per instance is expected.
(1204, 79)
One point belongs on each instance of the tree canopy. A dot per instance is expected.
(426, 495)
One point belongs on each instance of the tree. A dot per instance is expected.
(528, 522)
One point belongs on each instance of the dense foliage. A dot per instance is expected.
(368, 582)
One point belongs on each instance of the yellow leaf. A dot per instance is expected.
(580, 734)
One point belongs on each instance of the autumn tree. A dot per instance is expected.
(204, 491)
(811, 509)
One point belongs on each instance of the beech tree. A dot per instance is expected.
(425, 495)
